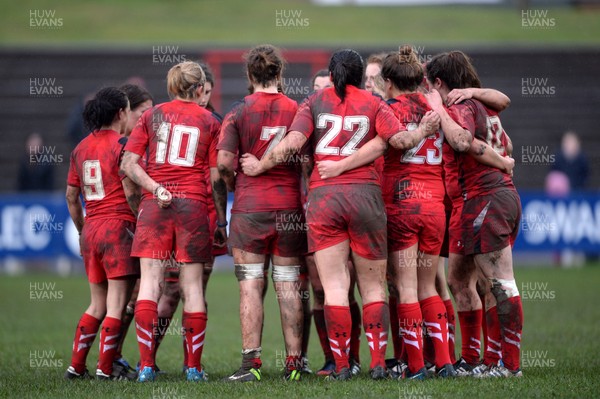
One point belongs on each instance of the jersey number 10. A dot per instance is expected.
(175, 156)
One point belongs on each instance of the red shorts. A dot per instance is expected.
(490, 222)
(281, 233)
(106, 249)
(352, 212)
(179, 231)
(405, 231)
(456, 244)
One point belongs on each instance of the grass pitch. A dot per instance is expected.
(39, 312)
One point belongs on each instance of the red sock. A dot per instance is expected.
(484, 325)
(160, 331)
(395, 327)
(493, 348)
(194, 329)
(319, 316)
(428, 349)
(410, 321)
(510, 317)
(355, 333)
(146, 319)
(436, 323)
(85, 333)
(470, 331)
(339, 324)
(109, 341)
(451, 329)
(376, 323)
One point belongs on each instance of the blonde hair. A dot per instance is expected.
(184, 78)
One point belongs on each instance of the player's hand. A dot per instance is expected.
(435, 100)
(329, 169)
(80, 245)
(458, 95)
(509, 165)
(430, 123)
(251, 165)
(220, 238)
(163, 196)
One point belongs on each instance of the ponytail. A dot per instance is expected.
(104, 107)
(346, 67)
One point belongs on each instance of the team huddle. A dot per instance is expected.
(370, 187)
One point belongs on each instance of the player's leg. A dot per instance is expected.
(116, 300)
(491, 246)
(153, 244)
(492, 342)
(307, 314)
(286, 272)
(356, 323)
(371, 282)
(167, 305)
(146, 311)
(497, 267)
(441, 285)
(86, 331)
(462, 279)
(410, 319)
(249, 270)
(393, 299)
(434, 312)
(334, 275)
(208, 269)
(126, 320)
(319, 315)
(194, 317)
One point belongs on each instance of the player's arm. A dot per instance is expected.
(406, 140)
(492, 98)
(509, 145)
(132, 194)
(291, 144)
(366, 154)
(225, 161)
(307, 169)
(75, 207)
(460, 139)
(219, 193)
(486, 155)
(135, 172)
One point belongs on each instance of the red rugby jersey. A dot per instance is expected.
(181, 138)
(255, 126)
(413, 178)
(94, 168)
(475, 178)
(338, 129)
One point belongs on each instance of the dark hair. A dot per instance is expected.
(264, 64)
(323, 73)
(136, 95)
(102, 109)
(453, 68)
(403, 69)
(346, 67)
(209, 77)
